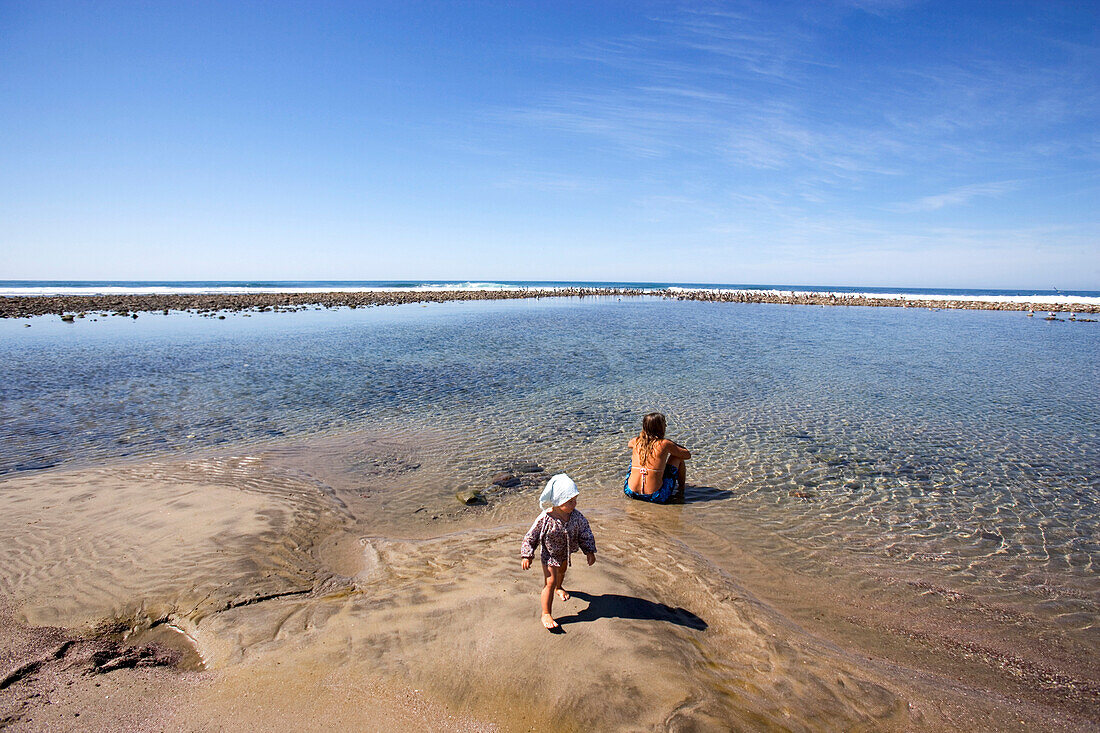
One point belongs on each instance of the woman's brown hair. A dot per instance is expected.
(653, 430)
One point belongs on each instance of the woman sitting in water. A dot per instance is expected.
(656, 465)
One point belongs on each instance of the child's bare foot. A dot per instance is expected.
(549, 623)
(563, 594)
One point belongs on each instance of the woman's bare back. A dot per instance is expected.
(649, 480)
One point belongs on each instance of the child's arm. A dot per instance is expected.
(530, 542)
(586, 541)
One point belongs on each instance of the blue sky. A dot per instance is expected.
(868, 142)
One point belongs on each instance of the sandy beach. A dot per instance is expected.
(285, 588)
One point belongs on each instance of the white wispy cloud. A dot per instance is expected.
(956, 196)
(541, 181)
(882, 7)
(719, 86)
(746, 129)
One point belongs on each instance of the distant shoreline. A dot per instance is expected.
(22, 306)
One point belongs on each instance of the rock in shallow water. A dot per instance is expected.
(505, 480)
(470, 497)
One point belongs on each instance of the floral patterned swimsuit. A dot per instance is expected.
(558, 539)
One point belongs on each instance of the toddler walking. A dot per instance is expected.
(561, 530)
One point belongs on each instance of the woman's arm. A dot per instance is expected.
(675, 451)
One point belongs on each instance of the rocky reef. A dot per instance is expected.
(70, 306)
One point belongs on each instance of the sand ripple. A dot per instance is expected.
(144, 542)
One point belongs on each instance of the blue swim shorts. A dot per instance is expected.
(661, 495)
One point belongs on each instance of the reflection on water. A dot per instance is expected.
(961, 442)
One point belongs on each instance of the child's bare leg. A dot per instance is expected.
(547, 590)
(562, 593)
(552, 579)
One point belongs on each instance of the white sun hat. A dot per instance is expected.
(559, 489)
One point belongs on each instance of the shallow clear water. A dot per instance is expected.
(960, 444)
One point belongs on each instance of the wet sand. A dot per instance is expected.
(289, 588)
(71, 307)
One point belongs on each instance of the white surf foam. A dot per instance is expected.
(1051, 300)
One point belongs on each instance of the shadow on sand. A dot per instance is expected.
(611, 605)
